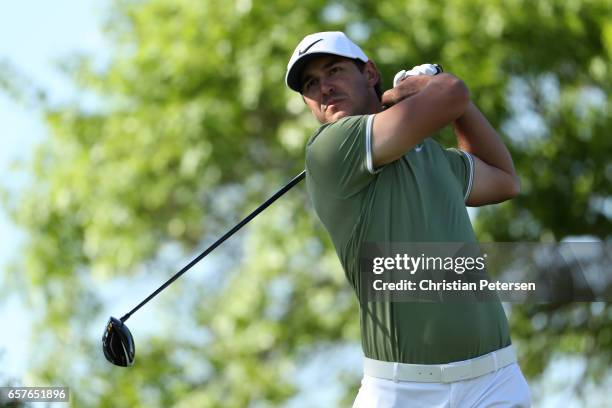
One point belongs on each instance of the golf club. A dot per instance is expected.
(117, 341)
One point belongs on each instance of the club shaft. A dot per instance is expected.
(218, 242)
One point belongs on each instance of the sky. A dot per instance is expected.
(35, 43)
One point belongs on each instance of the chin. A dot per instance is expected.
(337, 116)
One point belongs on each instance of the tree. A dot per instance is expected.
(195, 127)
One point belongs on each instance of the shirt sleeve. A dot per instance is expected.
(339, 157)
(462, 165)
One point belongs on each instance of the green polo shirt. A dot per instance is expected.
(417, 198)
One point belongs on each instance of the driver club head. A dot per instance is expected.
(118, 343)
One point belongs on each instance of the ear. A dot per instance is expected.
(372, 72)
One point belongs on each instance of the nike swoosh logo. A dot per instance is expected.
(300, 53)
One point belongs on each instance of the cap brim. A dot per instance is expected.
(294, 76)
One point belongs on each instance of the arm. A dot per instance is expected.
(421, 105)
(495, 179)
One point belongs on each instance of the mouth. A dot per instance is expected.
(332, 103)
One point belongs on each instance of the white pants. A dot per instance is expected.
(504, 388)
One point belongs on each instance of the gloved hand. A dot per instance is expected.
(423, 69)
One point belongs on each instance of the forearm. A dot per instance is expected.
(476, 135)
(419, 113)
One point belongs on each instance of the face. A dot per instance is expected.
(333, 87)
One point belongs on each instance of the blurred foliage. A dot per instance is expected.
(19, 87)
(195, 127)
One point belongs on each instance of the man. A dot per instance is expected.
(375, 175)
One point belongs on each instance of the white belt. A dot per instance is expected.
(441, 373)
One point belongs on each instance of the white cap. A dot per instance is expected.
(327, 42)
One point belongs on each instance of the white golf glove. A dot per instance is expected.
(424, 69)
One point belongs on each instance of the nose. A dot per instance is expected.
(327, 86)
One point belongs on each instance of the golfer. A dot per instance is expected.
(376, 175)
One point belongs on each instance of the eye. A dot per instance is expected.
(309, 84)
(335, 69)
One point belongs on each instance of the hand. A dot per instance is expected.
(423, 69)
(411, 87)
(408, 87)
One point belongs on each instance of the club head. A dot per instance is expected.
(118, 343)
